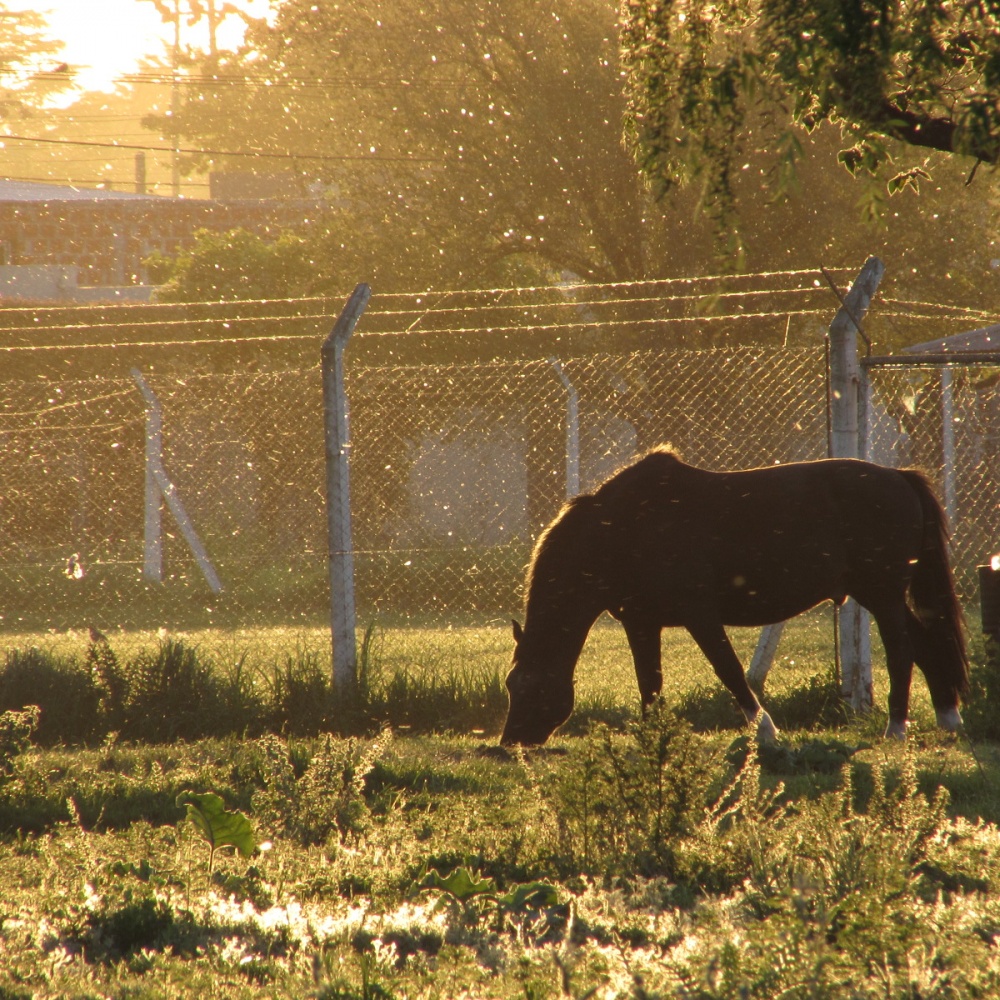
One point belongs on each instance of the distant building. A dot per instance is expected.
(52, 234)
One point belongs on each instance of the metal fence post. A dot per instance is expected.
(948, 443)
(848, 440)
(338, 495)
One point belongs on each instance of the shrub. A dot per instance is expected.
(66, 694)
(624, 801)
(171, 694)
(325, 800)
(300, 696)
(16, 729)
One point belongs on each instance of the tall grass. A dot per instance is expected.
(416, 678)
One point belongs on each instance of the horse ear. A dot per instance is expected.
(518, 631)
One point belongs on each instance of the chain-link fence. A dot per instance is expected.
(471, 421)
(245, 453)
(456, 468)
(945, 420)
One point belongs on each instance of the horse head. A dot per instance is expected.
(541, 698)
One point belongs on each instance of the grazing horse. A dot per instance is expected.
(662, 544)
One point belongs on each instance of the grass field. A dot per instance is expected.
(628, 858)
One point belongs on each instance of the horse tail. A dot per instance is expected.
(932, 590)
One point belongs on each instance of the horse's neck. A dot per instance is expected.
(558, 625)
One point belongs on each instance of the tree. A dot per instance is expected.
(28, 70)
(707, 79)
(466, 134)
(192, 12)
(234, 265)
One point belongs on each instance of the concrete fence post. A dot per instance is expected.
(338, 496)
(159, 484)
(848, 435)
(572, 431)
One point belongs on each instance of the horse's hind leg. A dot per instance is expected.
(715, 644)
(644, 641)
(944, 697)
(892, 627)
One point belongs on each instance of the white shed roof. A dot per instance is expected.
(32, 191)
(986, 339)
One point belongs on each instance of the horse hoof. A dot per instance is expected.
(767, 731)
(949, 719)
(895, 730)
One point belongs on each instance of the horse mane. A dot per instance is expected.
(560, 541)
(656, 464)
(557, 540)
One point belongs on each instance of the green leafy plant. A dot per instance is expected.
(624, 800)
(465, 887)
(16, 729)
(218, 827)
(322, 798)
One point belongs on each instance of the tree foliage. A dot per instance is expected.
(465, 134)
(235, 265)
(704, 77)
(27, 73)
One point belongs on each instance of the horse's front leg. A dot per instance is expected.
(644, 641)
(714, 643)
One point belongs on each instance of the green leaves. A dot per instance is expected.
(217, 826)
(461, 884)
(464, 886)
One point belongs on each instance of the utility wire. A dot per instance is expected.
(325, 157)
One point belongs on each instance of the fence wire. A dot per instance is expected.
(455, 469)
(457, 461)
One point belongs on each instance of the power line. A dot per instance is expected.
(324, 157)
(288, 83)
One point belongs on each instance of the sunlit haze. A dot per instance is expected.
(105, 39)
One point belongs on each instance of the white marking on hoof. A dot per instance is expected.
(895, 730)
(767, 731)
(949, 719)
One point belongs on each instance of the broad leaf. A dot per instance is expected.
(530, 896)
(218, 826)
(460, 883)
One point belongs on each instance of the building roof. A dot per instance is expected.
(31, 191)
(986, 339)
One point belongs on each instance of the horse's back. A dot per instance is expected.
(758, 544)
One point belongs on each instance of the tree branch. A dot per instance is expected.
(930, 132)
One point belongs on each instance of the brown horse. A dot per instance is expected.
(663, 544)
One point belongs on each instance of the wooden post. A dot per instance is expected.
(848, 435)
(338, 496)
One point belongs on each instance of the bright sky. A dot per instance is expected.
(106, 38)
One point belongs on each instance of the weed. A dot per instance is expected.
(300, 695)
(624, 800)
(218, 827)
(16, 729)
(327, 799)
(172, 694)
